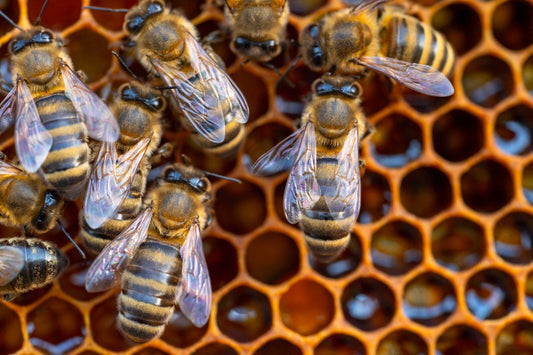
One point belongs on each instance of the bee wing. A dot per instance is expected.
(194, 294)
(7, 169)
(217, 79)
(346, 198)
(11, 263)
(302, 190)
(365, 5)
(7, 107)
(128, 163)
(418, 77)
(100, 122)
(105, 270)
(32, 139)
(281, 157)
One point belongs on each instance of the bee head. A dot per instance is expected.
(147, 97)
(136, 18)
(312, 52)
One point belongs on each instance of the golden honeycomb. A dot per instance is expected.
(439, 262)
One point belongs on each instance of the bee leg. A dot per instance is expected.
(370, 129)
(215, 37)
(10, 296)
(362, 166)
(164, 152)
(5, 87)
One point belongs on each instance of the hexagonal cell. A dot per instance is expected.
(513, 238)
(527, 74)
(302, 7)
(278, 346)
(255, 92)
(396, 248)
(487, 186)
(462, 339)
(272, 258)
(421, 102)
(402, 342)
(344, 264)
(262, 139)
(513, 130)
(487, 80)
(515, 338)
(215, 349)
(11, 9)
(512, 26)
(425, 192)
(68, 332)
(375, 197)
(290, 100)
(25, 299)
(111, 20)
(429, 299)
(454, 21)
(303, 314)
(340, 344)
(104, 326)
(150, 351)
(190, 9)
(490, 294)
(529, 290)
(244, 314)
(368, 304)
(221, 258)
(10, 331)
(377, 91)
(458, 243)
(206, 161)
(90, 53)
(72, 281)
(220, 47)
(457, 135)
(240, 208)
(396, 142)
(180, 332)
(527, 182)
(56, 16)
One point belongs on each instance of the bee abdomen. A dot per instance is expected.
(411, 40)
(43, 263)
(146, 302)
(233, 138)
(96, 239)
(66, 167)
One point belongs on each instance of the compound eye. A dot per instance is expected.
(157, 104)
(353, 90)
(155, 8)
(45, 37)
(317, 56)
(322, 88)
(172, 175)
(203, 184)
(127, 94)
(313, 31)
(135, 24)
(17, 45)
(270, 46)
(241, 43)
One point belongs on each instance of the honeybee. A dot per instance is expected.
(53, 111)
(258, 27)
(27, 264)
(25, 201)
(118, 180)
(324, 185)
(204, 97)
(384, 39)
(160, 257)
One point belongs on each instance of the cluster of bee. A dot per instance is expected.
(145, 224)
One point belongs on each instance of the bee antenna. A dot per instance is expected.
(98, 8)
(41, 13)
(72, 240)
(222, 177)
(125, 66)
(11, 22)
(186, 160)
(283, 77)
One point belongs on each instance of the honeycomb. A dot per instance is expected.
(439, 262)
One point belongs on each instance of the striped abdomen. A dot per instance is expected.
(43, 262)
(327, 233)
(149, 283)
(66, 167)
(96, 239)
(408, 39)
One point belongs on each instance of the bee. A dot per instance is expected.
(324, 185)
(160, 257)
(53, 111)
(258, 27)
(116, 186)
(26, 201)
(27, 264)
(384, 39)
(202, 94)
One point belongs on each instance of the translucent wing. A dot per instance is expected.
(193, 293)
(6, 169)
(110, 181)
(364, 5)
(302, 190)
(7, 107)
(11, 263)
(100, 122)
(281, 157)
(346, 199)
(32, 139)
(105, 270)
(418, 77)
